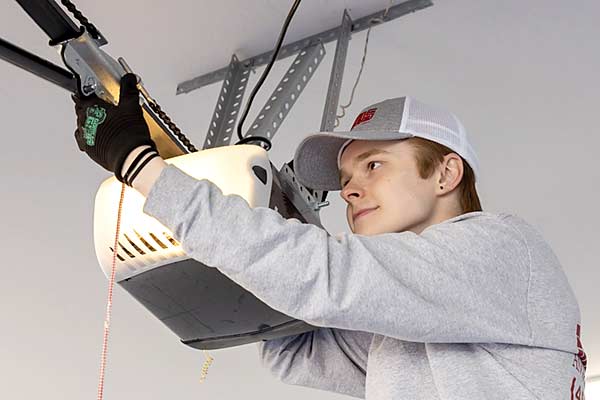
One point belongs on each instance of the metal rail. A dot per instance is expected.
(51, 19)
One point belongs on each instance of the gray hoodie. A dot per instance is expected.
(475, 307)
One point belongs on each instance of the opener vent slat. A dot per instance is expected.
(118, 256)
(130, 254)
(170, 239)
(148, 245)
(135, 246)
(161, 244)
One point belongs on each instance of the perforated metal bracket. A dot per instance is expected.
(286, 93)
(335, 83)
(327, 36)
(226, 111)
(299, 195)
(337, 73)
(342, 35)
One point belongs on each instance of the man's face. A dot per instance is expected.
(383, 176)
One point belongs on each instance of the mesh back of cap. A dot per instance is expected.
(439, 126)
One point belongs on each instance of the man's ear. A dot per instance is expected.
(450, 172)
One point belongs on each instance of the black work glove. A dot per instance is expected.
(108, 133)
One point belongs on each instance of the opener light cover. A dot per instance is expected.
(144, 243)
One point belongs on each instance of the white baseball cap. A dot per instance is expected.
(317, 158)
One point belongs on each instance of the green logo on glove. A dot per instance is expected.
(95, 116)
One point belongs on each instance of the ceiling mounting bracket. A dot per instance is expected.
(281, 101)
(222, 124)
(291, 49)
(221, 127)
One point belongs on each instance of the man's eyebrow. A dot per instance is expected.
(363, 156)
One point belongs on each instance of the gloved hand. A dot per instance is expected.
(108, 133)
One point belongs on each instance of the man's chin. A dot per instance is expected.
(369, 231)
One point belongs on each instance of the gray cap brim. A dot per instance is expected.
(315, 160)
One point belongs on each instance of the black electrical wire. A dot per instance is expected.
(262, 79)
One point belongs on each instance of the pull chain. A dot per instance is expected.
(111, 284)
(91, 28)
(206, 366)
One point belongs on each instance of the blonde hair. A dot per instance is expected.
(429, 155)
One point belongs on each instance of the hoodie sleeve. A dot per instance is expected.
(462, 282)
(328, 359)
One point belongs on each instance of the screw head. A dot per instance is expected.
(320, 205)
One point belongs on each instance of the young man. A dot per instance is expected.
(428, 298)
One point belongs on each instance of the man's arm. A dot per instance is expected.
(456, 282)
(328, 359)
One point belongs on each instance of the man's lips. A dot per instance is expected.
(363, 212)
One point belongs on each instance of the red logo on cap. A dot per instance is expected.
(364, 117)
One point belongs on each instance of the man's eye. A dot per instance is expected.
(371, 163)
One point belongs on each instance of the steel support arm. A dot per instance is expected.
(37, 65)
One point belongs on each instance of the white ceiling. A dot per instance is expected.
(523, 77)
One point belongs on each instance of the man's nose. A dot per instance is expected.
(352, 191)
